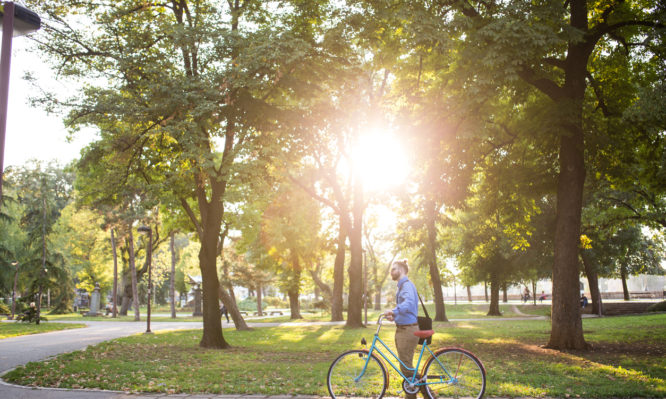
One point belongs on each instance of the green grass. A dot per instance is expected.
(628, 360)
(130, 317)
(536, 310)
(459, 311)
(15, 329)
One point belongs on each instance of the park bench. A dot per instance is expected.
(270, 313)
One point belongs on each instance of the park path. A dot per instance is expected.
(23, 349)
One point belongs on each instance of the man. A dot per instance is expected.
(224, 312)
(404, 314)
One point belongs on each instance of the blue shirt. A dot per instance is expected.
(406, 299)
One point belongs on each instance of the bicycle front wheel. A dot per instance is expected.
(455, 373)
(354, 374)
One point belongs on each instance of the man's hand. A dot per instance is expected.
(389, 315)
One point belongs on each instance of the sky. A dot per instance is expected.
(31, 133)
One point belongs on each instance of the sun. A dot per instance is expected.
(382, 161)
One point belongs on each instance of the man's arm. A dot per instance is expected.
(408, 301)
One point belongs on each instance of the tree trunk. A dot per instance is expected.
(485, 289)
(534, 294)
(430, 214)
(114, 295)
(378, 286)
(494, 309)
(232, 308)
(567, 326)
(323, 288)
(172, 277)
(43, 270)
(211, 223)
(355, 303)
(469, 293)
(505, 296)
(135, 293)
(294, 290)
(260, 311)
(593, 281)
(623, 276)
(339, 271)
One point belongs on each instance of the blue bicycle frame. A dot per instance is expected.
(411, 380)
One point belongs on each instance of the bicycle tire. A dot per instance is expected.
(342, 374)
(467, 372)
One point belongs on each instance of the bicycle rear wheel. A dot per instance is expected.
(347, 378)
(455, 373)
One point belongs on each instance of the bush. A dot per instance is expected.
(657, 307)
(275, 302)
(248, 304)
(4, 309)
(30, 315)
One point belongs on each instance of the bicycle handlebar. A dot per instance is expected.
(379, 322)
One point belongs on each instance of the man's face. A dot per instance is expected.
(396, 272)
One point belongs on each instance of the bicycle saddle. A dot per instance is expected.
(424, 333)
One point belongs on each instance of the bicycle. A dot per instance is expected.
(448, 372)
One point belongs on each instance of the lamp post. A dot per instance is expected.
(14, 263)
(365, 287)
(149, 254)
(16, 21)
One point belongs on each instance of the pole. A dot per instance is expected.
(365, 287)
(114, 296)
(5, 63)
(14, 290)
(43, 271)
(150, 281)
(172, 280)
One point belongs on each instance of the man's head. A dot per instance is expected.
(399, 268)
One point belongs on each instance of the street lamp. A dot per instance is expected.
(149, 254)
(14, 263)
(16, 21)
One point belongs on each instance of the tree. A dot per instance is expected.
(290, 232)
(43, 192)
(237, 66)
(550, 48)
(85, 247)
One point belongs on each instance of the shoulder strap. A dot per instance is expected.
(423, 306)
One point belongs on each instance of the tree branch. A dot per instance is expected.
(193, 217)
(546, 86)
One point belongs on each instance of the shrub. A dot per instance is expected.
(248, 304)
(30, 315)
(657, 307)
(4, 309)
(275, 302)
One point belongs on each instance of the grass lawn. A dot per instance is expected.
(79, 317)
(459, 311)
(15, 329)
(628, 360)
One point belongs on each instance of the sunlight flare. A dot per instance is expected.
(381, 159)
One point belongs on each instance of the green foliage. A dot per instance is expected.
(657, 307)
(4, 309)
(248, 304)
(29, 315)
(275, 302)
